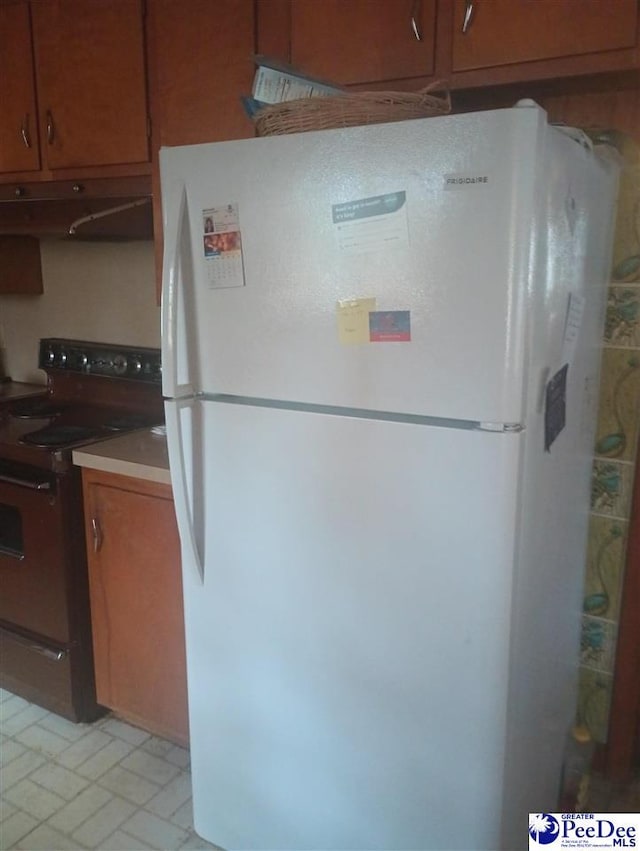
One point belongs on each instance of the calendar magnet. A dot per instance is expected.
(222, 247)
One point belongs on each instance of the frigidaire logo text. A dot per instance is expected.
(464, 180)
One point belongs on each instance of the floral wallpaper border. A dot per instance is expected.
(615, 454)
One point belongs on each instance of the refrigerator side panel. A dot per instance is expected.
(348, 652)
(574, 223)
(328, 264)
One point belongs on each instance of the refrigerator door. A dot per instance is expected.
(180, 372)
(348, 650)
(383, 267)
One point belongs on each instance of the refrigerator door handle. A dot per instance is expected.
(182, 498)
(174, 343)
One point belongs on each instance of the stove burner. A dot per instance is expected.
(59, 435)
(35, 408)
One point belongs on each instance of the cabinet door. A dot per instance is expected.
(91, 82)
(504, 32)
(363, 41)
(136, 603)
(20, 266)
(201, 64)
(18, 127)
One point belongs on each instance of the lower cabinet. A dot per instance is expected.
(136, 602)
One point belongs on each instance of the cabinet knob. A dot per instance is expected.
(19, 191)
(24, 131)
(97, 534)
(51, 129)
(77, 187)
(415, 17)
(468, 16)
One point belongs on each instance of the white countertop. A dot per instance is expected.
(139, 454)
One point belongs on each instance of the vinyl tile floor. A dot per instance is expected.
(113, 787)
(106, 785)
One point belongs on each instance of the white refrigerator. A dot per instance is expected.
(380, 364)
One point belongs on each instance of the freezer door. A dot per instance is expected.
(382, 267)
(348, 650)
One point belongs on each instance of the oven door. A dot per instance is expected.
(34, 552)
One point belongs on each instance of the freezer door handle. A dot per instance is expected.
(184, 498)
(175, 267)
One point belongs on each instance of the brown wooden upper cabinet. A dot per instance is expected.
(200, 56)
(19, 149)
(73, 85)
(20, 266)
(596, 35)
(351, 42)
(200, 60)
(467, 43)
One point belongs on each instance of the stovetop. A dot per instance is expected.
(94, 391)
(138, 364)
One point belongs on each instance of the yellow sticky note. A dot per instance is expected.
(353, 319)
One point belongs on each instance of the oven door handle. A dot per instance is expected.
(33, 485)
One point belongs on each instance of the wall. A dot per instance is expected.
(103, 292)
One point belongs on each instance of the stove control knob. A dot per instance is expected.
(62, 358)
(136, 366)
(83, 360)
(50, 356)
(119, 364)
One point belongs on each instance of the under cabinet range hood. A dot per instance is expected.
(95, 209)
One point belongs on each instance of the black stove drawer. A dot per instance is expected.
(56, 677)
